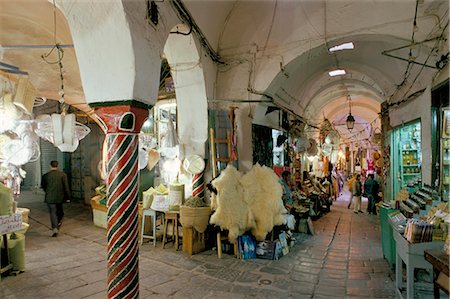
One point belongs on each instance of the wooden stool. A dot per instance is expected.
(153, 214)
(221, 238)
(173, 217)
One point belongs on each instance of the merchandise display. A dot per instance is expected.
(176, 196)
(445, 156)
(407, 154)
(429, 216)
(250, 201)
(6, 200)
(196, 217)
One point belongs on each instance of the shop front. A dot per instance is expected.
(406, 155)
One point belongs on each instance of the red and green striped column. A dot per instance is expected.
(121, 122)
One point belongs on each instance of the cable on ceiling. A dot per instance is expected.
(60, 54)
(186, 17)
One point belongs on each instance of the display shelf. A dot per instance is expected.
(412, 254)
(406, 154)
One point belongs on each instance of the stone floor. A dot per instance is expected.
(342, 260)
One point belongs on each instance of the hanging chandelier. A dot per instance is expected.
(60, 129)
(350, 122)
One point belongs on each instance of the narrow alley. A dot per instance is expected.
(342, 260)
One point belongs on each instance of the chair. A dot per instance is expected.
(221, 238)
(153, 214)
(171, 216)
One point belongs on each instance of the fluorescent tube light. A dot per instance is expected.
(337, 73)
(344, 46)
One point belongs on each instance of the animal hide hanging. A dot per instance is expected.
(250, 202)
(232, 213)
(263, 194)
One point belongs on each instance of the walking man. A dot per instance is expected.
(356, 192)
(56, 187)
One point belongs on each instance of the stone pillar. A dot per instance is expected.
(198, 185)
(122, 122)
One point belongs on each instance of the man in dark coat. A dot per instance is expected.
(56, 187)
(371, 191)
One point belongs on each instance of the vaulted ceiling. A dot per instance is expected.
(288, 42)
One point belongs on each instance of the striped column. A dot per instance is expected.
(198, 185)
(122, 124)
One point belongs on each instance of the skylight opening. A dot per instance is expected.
(344, 46)
(337, 73)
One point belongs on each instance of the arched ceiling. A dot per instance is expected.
(296, 34)
(27, 24)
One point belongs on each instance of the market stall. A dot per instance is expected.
(417, 220)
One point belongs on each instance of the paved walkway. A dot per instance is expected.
(342, 260)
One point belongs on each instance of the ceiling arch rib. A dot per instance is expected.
(182, 53)
(325, 88)
(305, 86)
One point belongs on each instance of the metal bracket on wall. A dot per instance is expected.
(387, 52)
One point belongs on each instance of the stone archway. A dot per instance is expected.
(186, 68)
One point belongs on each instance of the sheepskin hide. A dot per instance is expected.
(263, 193)
(232, 211)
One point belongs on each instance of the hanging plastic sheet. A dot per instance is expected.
(61, 130)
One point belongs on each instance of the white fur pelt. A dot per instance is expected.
(263, 194)
(247, 202)
(232, 211)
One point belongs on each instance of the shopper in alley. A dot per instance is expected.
(56, 187)
(356, 194)
(287, 194)
(371, 192)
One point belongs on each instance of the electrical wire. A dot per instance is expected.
(185, 16)
(60, 55)
(407, 72)
(409, 98)
(271, 24)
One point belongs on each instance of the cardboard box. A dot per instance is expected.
(266, 249)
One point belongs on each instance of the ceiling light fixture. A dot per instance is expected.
(350, 122)
(337, 72)
(60, 129)
(344, 46)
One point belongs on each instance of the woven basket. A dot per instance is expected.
(197, 218)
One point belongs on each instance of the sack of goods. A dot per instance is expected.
(195, 213)
(6, 200)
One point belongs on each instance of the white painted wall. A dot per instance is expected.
(417, 108)
(119, 54)
(192, 107)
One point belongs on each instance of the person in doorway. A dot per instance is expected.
(56, 187)
(371, 192)
(356, 192)
(287, 194)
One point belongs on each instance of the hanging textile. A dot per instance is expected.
(231, 118)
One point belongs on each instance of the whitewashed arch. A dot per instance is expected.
(186, 68)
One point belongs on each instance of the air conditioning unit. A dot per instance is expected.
(25, 95)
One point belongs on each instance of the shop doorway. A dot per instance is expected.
(406, 155)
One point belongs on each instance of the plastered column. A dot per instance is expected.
(122, 122)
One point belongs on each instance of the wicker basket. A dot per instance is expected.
(198, 218)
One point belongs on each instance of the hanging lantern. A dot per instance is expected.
(350, 122)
